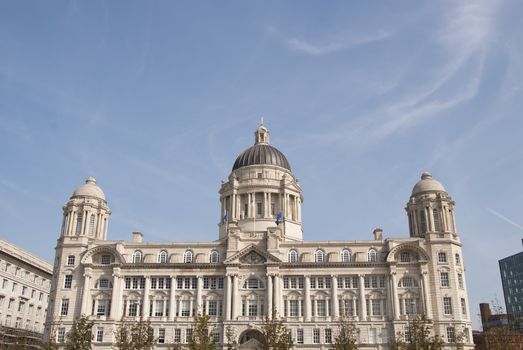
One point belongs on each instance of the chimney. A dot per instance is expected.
(484, 309)
(378, 234)
(137, 237)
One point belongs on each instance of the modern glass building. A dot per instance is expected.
(511, 269)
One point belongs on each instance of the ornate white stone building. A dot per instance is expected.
(25, 281)
(259, 264)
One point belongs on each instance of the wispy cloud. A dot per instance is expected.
(344, 42)
(504, 218)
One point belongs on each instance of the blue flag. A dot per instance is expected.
(278, 218)
(225, 218)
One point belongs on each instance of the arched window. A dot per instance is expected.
(372, 255)
(319, 256)
(437, 221)
(293, 256)
(91, 225)
(137, 257)
(214, 257)
(345, 255)
(188, 257)
(405, 257)
(162, 256)
(79, 219)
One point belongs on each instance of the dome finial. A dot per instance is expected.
(261, 135)
(90, 180)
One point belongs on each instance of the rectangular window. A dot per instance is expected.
(133, 308)
(451, 335)
(177, 335)
(161, 336)
(213, 307)
(186, 308)
(216, 336)
(101, 307)
(328, 335)
(188, 334)
(68, 281)
(105, 260)
(299, 336)
(65, 307)
(460, 280)
(253, 307)
(316, 335)
(444, 276)
(70, 260)
(4, 283)
(103, 283)
(447, 306)
(442, 257)
(321, 306)
(24, 290)
(376, 307)
(259, 209)
(153, 282)
(463, 307)
(158, 308)
(100, 335)
(294, 308)
(14, 287)
(60, 335)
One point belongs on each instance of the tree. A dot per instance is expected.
(80, 335)
(230, 335)
(201, 338)
(418, 337)
(275, 335)
(136, 335)
(347, 335)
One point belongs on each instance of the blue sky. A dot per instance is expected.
(156, 100)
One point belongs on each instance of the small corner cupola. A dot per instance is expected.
(430, 209)
(261, 135)
(89, 189)
(427, 184)
(86, 213)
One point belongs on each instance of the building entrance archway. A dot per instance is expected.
(251, 339)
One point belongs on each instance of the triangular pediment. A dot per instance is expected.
(251, 255)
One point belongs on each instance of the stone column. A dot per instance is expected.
(269, 296)
(363, 304)
(277, 296)
(199, 287)
(235, 296)
(228, 295)
(426, 295)
(116, 297)
(86, 294)
(172, 299)
(145, 308)
(454, 222)
(233, 205)
(334, 299)
(395, 295)
(308, 309)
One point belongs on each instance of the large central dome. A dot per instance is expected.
(261, 153)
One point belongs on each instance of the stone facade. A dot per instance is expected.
(260, 264)
(25, 282)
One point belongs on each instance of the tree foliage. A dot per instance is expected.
(275, 335)
(136, 335)
(419, 336)
(202, 338)
(347, 335)
(230, 335)
(80, 335)
(502, 338)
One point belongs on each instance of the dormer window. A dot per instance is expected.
(188, 257)
(345, 255)
(214, 257)
(137, 257)
(319, 256)
(293, 256)
(162, 257)
(372, 255)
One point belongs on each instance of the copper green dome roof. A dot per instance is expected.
(261, 153)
